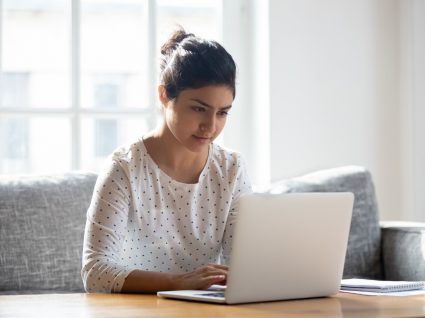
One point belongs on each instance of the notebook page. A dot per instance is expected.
(368, 285)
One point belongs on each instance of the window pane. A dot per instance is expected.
(200, 17)
(102, 135)
(105, 136)
(14, 89)
(15, 147)
(35, 45)
(113, 51)
(36, 145)
(108, 90)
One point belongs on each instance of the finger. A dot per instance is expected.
(214, 272)
(220, 266)
(211, 280)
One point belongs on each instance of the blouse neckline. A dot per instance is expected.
(170, 179)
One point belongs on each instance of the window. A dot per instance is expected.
(107, 93)
(14, 88)
(16, 147)
(77, 77)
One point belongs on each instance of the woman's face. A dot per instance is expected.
(197, 116)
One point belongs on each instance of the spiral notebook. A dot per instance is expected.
(379, 286)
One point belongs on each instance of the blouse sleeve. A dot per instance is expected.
(242, 186)
(105, 231)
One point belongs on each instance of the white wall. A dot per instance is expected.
(412, 101)
(418, 105)
(238, 133)
(337, 83)
(245, 36)
(334, 90)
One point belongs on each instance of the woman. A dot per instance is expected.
(162, 212)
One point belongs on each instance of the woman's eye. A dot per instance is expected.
(223, 113)
(198, 109)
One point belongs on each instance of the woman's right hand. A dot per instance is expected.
(202, 277)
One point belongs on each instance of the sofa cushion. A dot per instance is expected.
(363, 258)
(403, 250)
(41, 231)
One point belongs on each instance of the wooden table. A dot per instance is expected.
(106, 305)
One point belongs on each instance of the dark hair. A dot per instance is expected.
(191, 62)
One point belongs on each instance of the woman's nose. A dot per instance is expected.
(208, 124)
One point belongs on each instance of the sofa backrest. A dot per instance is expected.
(363, 258)
(42, 223)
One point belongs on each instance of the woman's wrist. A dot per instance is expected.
(147, 282)
(175, 281)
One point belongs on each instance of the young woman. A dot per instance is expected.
(162, 213)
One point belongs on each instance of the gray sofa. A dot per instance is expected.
(42, 224)
(42, 221)
(377, 250)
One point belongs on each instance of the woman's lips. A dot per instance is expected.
(202, 139)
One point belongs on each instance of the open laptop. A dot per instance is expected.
(285, 246)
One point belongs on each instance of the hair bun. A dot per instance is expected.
(188, 61)
(173, 42)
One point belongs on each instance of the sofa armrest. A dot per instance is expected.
(403, 250)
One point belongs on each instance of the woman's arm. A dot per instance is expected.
(106, 226)
(241, 186)
(139, 281)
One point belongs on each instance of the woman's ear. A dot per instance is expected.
(162, 94)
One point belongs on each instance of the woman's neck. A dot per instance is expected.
(173, 158)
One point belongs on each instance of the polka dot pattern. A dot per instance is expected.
(140, 218)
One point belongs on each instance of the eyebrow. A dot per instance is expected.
(207, 105)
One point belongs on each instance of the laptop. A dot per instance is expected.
(285, 246)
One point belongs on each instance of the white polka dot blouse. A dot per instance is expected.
(140, 218)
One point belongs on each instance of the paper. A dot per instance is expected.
(403, 293)
(381, 287)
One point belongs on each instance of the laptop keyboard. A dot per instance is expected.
(218, 295)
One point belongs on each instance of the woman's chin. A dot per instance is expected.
(198, 144)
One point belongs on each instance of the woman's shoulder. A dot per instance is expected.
(227, 164)
(130, 152)
(226, 157)
(125, 160)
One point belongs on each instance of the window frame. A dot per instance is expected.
(76, 113)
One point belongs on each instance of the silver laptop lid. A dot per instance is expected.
(289, 246)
